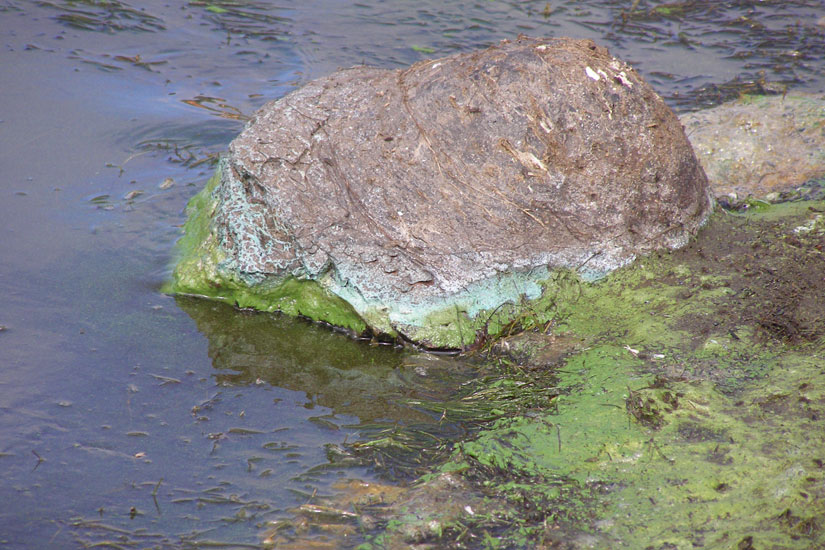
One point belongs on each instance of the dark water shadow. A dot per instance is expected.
(371, 382)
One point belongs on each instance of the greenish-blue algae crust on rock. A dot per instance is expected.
(443, 203)
(204, 269)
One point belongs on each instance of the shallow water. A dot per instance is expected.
(128, 416)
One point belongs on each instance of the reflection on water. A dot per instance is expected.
(128, 418)
(372, 383)
(368, 392)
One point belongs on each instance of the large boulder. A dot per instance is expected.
(435, 203)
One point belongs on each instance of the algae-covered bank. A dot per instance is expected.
(682, 406)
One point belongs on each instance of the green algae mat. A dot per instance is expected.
(687, 408)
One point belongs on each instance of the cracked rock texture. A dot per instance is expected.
(458, 184)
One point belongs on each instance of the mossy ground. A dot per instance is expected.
(635, 462)
(689, 398)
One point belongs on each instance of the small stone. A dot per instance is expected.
(760, 145)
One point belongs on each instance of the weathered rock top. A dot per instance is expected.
(459, 183)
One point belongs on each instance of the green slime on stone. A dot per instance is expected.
(204, 269)
(199, 272)
(720, 469)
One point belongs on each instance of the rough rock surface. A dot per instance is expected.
(760, 145)
(427, 198)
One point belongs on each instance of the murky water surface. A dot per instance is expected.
(130, 418)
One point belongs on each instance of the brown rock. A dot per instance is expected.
(458, 183)
(760, 144)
